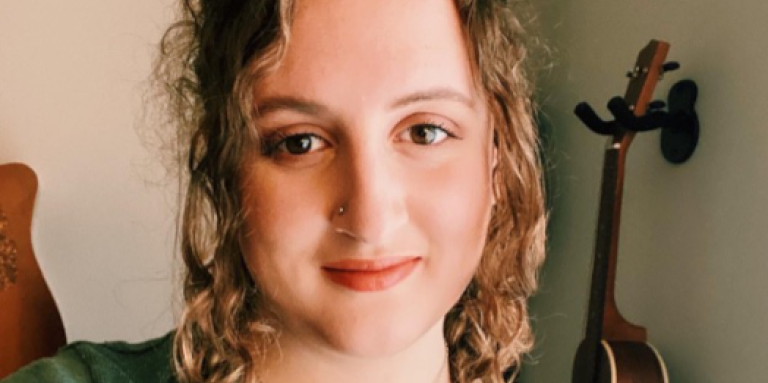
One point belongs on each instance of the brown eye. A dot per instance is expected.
(427, 134)
(297, 144)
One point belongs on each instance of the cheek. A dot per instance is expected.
(454, 214)
(279, 220)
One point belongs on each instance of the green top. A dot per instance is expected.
(111, 362)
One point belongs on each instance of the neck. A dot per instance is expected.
(302, 361)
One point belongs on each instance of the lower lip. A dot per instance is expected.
(368, 280)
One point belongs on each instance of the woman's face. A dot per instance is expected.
(373, 110)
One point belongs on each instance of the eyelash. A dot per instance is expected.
(275, 140)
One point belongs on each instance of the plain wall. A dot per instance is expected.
(72, 78)
(693, 264)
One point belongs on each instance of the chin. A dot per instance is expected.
(380, 337)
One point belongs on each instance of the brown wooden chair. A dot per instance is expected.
(30, 324)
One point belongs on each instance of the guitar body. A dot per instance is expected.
(624, 362)
(30, 324)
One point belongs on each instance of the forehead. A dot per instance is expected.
(375, 49)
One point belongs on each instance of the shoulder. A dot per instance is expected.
(110, 362)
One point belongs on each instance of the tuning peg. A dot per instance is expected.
(670, 66)
(633, 73)
(656, 105)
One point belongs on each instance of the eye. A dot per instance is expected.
(294, 144)
(428, 134)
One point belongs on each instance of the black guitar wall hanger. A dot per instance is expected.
(679, 123)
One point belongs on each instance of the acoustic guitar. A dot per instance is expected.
(30, 324)
(614, 350)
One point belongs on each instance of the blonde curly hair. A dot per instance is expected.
(210, 60)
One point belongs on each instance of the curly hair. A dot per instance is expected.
(210, 60)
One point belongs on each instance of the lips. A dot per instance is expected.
(369, 275)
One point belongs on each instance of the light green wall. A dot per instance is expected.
(693, 265)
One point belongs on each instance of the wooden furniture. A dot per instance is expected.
(30, 324)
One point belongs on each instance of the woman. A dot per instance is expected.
(363, 200)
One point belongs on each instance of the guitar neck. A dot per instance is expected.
(601, 263)
(604, 320)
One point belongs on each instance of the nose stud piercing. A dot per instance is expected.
(340, 230)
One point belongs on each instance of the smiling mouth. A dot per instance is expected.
(369, 275)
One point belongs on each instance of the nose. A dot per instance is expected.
(371, 206)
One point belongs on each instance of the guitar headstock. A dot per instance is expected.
(643, 78)
(648, 69)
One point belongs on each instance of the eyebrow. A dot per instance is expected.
(440, 93)
(298, 104)
(313, 108)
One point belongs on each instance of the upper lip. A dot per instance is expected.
(368, 264)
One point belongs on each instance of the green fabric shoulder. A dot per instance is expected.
(110, 362)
